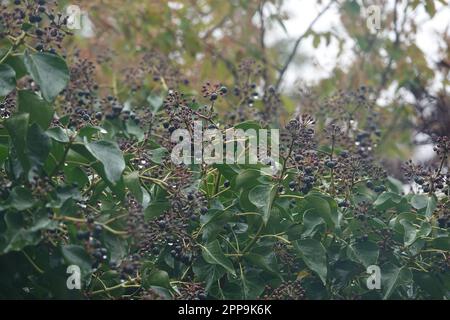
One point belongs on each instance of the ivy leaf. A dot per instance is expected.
(49, 71)
(17, 127)
(58, 134)
(365, 252)
(16, 62)
(213, 254)
(76, 255)
(247, 178)
(40, 110)
(132, 183)
(21, 199)
(419, 201)
(314, 255)
(392, 277)
(431, 205)
(207, 273)
(262, 197)
(311, 221)
(156, 102)
(155, 277)
(38, 145)
(110, 156)
(7, 79)
(324, 208)
(266, 262)
(155, 209)
(387, 200)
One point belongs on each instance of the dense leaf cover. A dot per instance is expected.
(87, 180)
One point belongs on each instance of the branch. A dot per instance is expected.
(297, 43)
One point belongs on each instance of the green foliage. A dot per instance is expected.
(103, 195)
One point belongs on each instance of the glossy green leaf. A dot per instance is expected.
(393, 277)
(49, 71)
(213, 254)
(262, 197)
(365, 252)
(40, 110)
(110, 156)
(314, 255)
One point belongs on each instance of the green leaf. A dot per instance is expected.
(156, 102)
(387, 200)
(314, 255)
(311, 221)
(7, 79)
(393, 277)
(365, 252)
(247, 178)
(16, 62)
(17, 127)
(38, 145)
(58, 134)
(266, 262)
(40, 110)
(157, 155)
(21, 199)
(155, 209)
(76, 255)
(49, 71)
(319, 205)
(262, 197)
(431, 205)
(155, 277)
(419, 201)
(133, 184)
(212, 253)
(110, 156)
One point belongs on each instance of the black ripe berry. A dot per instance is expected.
(419, 180)
(203, 210)
(343, 204)
(99, 116)
(213, 96)
(331, 164)
(369, 184)
(226, 184)
(98, 230)
(223, 90)
(83, 235)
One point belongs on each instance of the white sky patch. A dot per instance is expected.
(324, 58)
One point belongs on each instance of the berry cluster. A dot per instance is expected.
(91, 236)
(45, 30)
(8, 105)
(288, 290)
(191, 291)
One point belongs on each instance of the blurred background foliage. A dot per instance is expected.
(208, 39)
